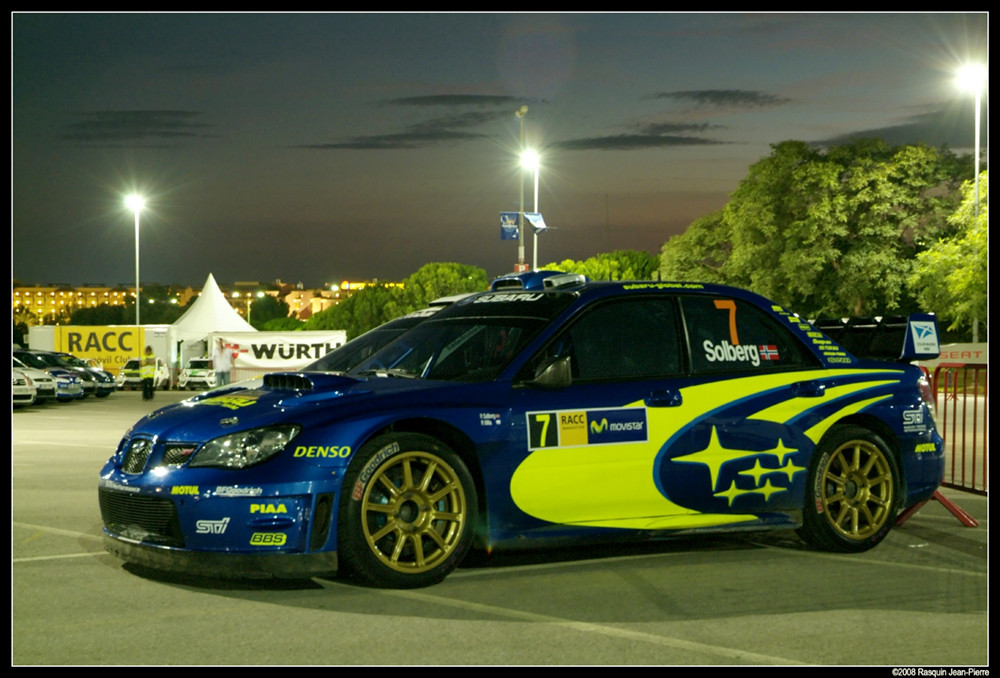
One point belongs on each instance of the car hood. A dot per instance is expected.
(304, 398)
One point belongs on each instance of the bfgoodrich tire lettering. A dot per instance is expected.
(852, 496)
(407, 512)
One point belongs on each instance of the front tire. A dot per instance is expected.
(853, 486)
(407, 512)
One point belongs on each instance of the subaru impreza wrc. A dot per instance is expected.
(586, 412)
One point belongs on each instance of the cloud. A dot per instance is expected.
(117, 127)
(433, 131)
(941, 127)
(457, 100)
(725, 98)
(649, 135)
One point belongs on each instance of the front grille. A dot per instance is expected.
(136, 455)
(141, 518)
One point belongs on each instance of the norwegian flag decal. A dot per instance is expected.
(768, 352)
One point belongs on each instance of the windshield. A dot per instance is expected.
(457, 349)
(36, 360)
(353, 352)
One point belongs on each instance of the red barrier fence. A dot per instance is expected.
(960, 390)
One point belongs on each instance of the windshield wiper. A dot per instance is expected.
(389, 372)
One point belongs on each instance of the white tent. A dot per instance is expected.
(209, 313)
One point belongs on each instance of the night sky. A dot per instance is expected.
(320, 147)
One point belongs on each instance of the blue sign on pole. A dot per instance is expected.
(509, 226)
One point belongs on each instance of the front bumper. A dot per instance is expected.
(224, 565)
(235, 531)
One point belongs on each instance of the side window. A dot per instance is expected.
(729, 335)
(623, 339)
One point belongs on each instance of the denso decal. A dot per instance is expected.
(324, 452)
(211, 526)
(574, 428)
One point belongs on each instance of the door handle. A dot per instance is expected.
(664, 398)
(809, 389)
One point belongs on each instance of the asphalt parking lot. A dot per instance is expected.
(919, 599)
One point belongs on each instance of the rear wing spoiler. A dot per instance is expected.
(898, 338)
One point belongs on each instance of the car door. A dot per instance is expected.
(591, 445)
(660, 425)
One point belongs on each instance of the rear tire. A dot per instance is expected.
(407, 512)
(852, 493)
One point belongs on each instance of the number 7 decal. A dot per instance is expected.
(729, 304)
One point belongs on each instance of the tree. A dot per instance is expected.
(827, 233)
(436, 280)
(266, 308)
(363, 310)
(378, 303)
(617, 265)
(698, 253)
(950, 277)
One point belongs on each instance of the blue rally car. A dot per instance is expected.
(588, 411)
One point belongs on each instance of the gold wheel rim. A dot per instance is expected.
(858, 490)
(413, 512)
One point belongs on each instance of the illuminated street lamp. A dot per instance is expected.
(521, 112)
(530, 160)
(973, 77)
(135, 203)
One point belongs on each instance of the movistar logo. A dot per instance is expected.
(597, 427)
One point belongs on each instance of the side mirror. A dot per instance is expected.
(555, 374)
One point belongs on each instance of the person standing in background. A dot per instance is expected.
(147, 373)
(222, 362)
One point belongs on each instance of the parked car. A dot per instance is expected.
(45, 383)
(68, 385)
(199, 374)
(104, 382)
(128, 378)
(88, 381)
(598, 412)
(22, 391)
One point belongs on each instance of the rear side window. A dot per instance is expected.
(731, 335)
(622, 339)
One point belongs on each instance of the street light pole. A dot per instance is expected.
(973, 76)
(135, 203)
(521, 112)
(531, 160)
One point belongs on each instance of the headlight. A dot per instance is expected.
(246, 448)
